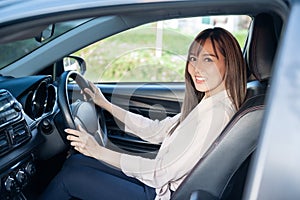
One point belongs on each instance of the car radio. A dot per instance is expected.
(13, 128)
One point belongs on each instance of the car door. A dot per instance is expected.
(152, 100)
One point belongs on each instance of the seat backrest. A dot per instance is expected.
(214, 176)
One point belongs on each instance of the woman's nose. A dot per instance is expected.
(197, 68)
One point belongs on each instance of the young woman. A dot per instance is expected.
(215, 78)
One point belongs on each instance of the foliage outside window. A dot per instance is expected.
(154, 52)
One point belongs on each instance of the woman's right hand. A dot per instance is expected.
(96, 95)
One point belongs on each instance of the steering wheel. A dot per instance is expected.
(80, 112)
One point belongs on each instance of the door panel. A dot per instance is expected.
(152, 100)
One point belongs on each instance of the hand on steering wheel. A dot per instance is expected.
(80, 112)
(83, 142)
(96, 95)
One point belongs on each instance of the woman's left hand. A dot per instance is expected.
(83, 142)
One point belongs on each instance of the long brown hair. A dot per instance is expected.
(235, 72)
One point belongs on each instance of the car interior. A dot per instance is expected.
(38, 98)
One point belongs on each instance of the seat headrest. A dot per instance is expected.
(262, 46)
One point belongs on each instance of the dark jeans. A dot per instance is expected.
(86, 178)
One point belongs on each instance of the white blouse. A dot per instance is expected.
(180, 151)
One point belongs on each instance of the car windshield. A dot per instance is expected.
(13, 51)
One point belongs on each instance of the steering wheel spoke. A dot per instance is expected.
(83, 113)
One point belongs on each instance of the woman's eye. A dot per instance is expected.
(208, 60)
(192, 59)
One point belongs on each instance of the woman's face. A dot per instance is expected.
(207, 70)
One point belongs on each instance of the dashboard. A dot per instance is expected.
(27, 108)
(14, 130)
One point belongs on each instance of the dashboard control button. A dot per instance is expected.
(46, 126)
(17, 107)
(30, 168)
(21, 177)
(11, 185)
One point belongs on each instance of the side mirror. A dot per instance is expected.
(74, 63)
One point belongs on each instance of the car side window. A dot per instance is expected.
(154, 52)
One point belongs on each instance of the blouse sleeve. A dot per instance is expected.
(188, 144)
(153, 131)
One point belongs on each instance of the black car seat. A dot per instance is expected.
(222, 171)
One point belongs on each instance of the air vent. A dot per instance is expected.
(12, 136)
(19, 133)
(4, 143)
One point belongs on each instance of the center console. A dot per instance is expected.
(16, 169)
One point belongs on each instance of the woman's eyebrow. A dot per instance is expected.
(209, 54)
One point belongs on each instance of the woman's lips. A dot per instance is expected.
(200, 79)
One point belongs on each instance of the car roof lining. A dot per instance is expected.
(162, 10)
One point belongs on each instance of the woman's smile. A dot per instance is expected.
(200, 79)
